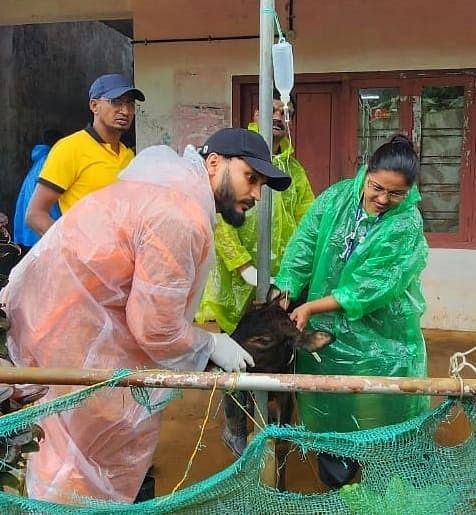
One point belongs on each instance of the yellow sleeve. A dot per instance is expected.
(229, 246)
(305, 195)
(61, 167)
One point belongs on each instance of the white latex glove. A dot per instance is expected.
(250, 275)
(228, 355)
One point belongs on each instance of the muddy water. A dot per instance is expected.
(183, 418)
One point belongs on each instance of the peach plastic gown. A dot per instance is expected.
(114, 284)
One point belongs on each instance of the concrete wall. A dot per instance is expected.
(45, 72)
(330, 36)
(19, 12)
(188, 85)
(450, 288)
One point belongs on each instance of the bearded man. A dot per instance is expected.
(115, 284)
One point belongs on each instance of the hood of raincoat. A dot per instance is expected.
(39, 151)
(161, 165)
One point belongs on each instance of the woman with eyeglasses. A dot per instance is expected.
(360, 249)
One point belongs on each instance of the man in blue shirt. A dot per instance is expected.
(23, 234)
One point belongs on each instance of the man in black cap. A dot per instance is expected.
(115, 284)
(249, 152)
(90, 158)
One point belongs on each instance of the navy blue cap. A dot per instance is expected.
(113, 85)
(252, 148)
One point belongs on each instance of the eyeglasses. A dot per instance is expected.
(118, 103)
(394, 196)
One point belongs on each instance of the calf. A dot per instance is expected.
(269, 335)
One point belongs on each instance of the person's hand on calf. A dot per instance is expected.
(300, 316)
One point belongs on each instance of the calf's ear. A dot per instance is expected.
(274, 295)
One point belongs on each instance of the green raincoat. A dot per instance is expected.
(227, 295)
(378, 330)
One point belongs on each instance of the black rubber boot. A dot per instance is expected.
(147, 489)
(336, 471)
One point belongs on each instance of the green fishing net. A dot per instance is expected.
(404, 471)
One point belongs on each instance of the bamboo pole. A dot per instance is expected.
(155, 378)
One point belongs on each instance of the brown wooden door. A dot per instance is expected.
(314, 130)
(316, 124)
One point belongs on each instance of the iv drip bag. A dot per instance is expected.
(283, 68)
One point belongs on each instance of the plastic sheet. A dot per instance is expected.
(113, 284)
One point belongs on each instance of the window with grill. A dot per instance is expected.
(437, 114)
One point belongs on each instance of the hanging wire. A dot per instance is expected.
(246, 412)
(288, 133)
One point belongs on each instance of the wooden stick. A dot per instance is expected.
(244, 381)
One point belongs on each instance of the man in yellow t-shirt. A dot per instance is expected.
(88, 159)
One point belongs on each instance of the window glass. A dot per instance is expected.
(379, 118)
(441, 138)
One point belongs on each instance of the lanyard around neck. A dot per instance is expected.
(351, 241)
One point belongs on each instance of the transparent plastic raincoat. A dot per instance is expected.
(22, 232)
(227, 295)
(114, 284)
(378, 330)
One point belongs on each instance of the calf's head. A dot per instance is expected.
(269, 335)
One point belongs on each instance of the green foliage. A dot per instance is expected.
(400, 498)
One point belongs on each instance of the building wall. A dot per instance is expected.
(18, 12)
(450, 289)
(188, 85)
(45, 75)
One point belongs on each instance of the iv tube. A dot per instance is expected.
(283, 67)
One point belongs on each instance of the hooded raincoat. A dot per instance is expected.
(114, 284)
(227, 294)
(378, 287)
(22, 232)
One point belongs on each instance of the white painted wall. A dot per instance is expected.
(449, 283)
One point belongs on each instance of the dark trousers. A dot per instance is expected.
(147, 489)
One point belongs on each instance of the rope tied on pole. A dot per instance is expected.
(458, 362)
(268, 10)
